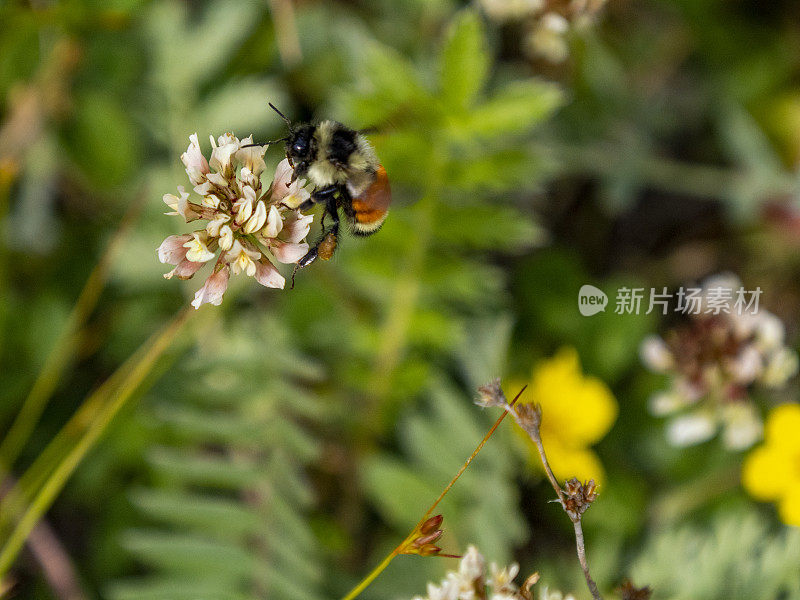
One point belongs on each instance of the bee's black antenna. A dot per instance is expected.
(283, 116)
(269, 143)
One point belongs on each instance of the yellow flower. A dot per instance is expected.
(577, 411)
(771, 472)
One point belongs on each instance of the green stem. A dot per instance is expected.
(362, 585)
(58, 478)
(373, 574)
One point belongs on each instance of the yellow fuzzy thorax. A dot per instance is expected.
(322, 172)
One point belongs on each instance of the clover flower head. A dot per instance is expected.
(714, 360)
(248, 225)
(470, 581)
(547, 24)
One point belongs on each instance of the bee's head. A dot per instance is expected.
(300, 144)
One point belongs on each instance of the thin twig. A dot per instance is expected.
(537, 439)
(582, 559)
(54, 561)
(362, 585)
(530, 421)
(56, 564)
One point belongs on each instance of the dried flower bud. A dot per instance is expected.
(491, 394)
(428, 539)
(422, 540)
(529, 417)
(579, 497)
(429, 550)
(431, 524)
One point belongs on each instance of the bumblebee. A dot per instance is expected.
(347, 176)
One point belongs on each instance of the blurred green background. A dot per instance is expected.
(291, 438)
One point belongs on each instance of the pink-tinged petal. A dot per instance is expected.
(296, 227)
(195, 162)
(287, 253)
(282, 180)
(213, 289)
(268, 276)
(185, 270)
(172, 250)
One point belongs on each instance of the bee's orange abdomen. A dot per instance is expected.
(371, 207)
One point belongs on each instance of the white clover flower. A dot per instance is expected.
(469, 581)
(714, 360)
(248, 224)
(548, 38)
(502, 580)
(472, 565)
(690, 429)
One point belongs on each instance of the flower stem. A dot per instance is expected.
(362, 585)
(118, 397)
(532, 429)
(373, 574)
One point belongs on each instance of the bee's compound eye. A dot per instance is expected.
(300, 147)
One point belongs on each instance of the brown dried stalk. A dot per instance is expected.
(575, 497)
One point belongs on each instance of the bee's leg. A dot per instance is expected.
(333, 233)
(326, 193)
(318, 197)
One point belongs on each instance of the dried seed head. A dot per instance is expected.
(491, 394)
(579, 497)
(422, 540)
(529, 417)
(428, 539)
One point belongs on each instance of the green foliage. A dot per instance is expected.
(284, 455)
(464, 62)
(436, 443)
(225, 514)
(738, 556)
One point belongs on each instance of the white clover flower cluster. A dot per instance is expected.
(714, 362)
(547, 23)
(470, 582)
(248, 225)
